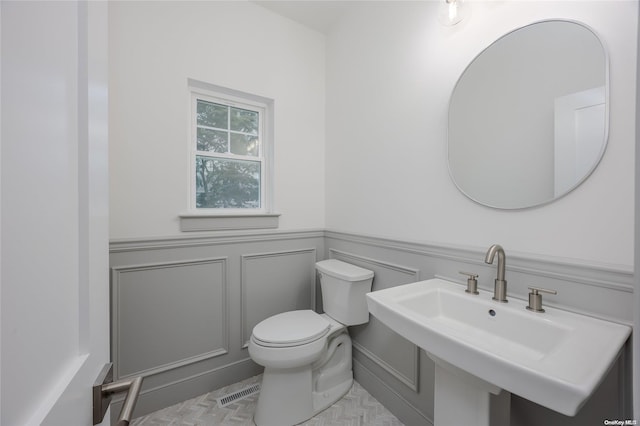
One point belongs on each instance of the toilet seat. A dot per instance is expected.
(293, 328)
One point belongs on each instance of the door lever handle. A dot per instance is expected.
(105, 387)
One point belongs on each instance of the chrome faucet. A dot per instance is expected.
(500, 288)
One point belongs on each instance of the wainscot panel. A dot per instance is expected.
(182, 309)
(150, 302)
(276, 282)
(388, 350)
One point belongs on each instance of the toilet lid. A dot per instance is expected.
(291, 329)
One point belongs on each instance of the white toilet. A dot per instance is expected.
(307, 356)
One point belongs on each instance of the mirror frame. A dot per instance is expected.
(607, 117)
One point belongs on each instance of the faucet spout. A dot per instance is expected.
(500, 289)
(491, 253)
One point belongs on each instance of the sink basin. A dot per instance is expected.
(555, 359)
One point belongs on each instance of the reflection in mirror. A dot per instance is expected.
(528, 118)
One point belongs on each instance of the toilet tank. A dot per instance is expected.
(343, 291)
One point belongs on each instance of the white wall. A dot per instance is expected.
(154, 47)
(390, 71)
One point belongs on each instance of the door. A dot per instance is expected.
(54, 210)
(579, 136)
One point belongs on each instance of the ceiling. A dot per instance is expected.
(316, 14)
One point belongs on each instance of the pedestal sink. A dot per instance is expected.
(483, 348)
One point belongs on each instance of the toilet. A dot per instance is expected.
(306, 355)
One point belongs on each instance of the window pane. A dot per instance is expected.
(212, 140)
(212, 115)
(244, 145)
(243, 120)
(222, 183)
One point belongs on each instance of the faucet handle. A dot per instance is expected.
(535, 298)
(472, 282)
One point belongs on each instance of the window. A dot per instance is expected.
(230, 158)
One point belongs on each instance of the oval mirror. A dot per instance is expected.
(528, 118)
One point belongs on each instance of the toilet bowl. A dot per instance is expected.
(306, 355)
(289, 340)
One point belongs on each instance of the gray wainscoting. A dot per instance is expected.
(402, 377)
(183, 310)
(179, 299)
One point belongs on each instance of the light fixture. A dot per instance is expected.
(452, 11)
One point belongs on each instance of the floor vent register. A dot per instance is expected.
(243, 393)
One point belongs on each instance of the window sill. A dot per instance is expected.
(193, 222)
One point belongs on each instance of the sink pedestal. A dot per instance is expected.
(463, 399)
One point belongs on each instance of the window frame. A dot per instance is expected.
(202, 219)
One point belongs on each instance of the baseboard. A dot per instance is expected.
(165, 395)
(399, 407)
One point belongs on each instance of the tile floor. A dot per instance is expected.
(356, 408)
